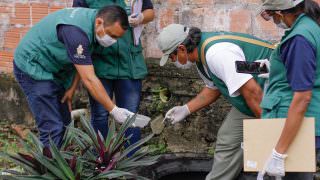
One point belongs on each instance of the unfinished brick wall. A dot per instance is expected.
(17, 16)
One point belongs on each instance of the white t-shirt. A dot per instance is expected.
(221, 59)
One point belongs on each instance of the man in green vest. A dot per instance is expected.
(215, 54)
(121, 67)
(48, 55)
(294, 81)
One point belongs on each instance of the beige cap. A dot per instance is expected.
(278, 5)
(170, 38)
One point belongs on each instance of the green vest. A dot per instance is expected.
(253, 49)
(279, 95)
(123, 60)
(42, 56)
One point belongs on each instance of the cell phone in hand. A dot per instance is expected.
(250, 67)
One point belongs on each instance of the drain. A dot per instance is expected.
(185, 176)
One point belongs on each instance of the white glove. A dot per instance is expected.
(120, 114)
(274, 166)
(262, 63)
(135, 19)
(177, 114)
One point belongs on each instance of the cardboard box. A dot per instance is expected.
(261, 136)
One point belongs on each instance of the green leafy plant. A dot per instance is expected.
(83, 155)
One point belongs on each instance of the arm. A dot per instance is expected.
(203, 99)
(148, 15)
(252, 94)
(94, 86)
(301, 76)
(221, 60)
(296, 112)
(77, 45)
(75, 82)
(68, 95)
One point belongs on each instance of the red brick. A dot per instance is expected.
(36, 20)
(22, 11)
(38, 16)
(5, 9)
(40, 10)
(10, 44)
(15, 21)
(5, 64)
(12, 34)
(166, 17)
(171, 3)
(240, 21)
(40, 5)
(55, 8)
(6, 56)
(6, 69)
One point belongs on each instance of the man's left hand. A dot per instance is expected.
(274, 166)
(68, 95)
(135, 19)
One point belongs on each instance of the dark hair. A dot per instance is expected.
(112, 14)
(193, 39)
(309, 7)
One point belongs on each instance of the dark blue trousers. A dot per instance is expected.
(127, 94)
(44, 99)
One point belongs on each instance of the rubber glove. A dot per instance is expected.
(274, 166)
(120, 114)
(135, 19)
(262, 63)
(177, 114)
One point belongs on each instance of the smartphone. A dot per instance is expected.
(250, 67)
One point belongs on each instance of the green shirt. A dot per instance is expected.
(123, 60)
(42, 56)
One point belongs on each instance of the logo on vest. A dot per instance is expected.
(79, 54)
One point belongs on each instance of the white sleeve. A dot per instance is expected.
(208, 82)
(221, 59)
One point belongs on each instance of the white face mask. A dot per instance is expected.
(282, 25)
(183, 66)
(106, 40)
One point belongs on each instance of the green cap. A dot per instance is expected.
(278, 5)
(170, 38)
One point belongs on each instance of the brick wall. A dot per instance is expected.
(17, 16)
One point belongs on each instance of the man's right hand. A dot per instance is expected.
(264, 62)
(177, 114)
(120, 114)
